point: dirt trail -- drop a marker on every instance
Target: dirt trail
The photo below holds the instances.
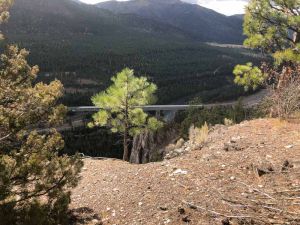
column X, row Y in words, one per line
column 159, row 193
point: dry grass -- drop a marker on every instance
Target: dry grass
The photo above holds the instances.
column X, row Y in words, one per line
column 283, row 102
column 198, row 136
column 228, row 122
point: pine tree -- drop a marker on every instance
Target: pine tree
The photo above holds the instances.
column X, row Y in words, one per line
column 120, row 106
column 34, row 179
column 274, row 28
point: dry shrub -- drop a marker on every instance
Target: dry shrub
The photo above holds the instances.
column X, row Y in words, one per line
column 198, row 135
column 228, row 122
column 283, row 102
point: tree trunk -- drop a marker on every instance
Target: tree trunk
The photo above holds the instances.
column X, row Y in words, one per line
column 125, row 143
column 296, row 37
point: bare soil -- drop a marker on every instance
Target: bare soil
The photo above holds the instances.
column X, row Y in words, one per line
column 193, row 188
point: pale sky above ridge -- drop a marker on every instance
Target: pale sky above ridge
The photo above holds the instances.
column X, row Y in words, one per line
column 227, row 7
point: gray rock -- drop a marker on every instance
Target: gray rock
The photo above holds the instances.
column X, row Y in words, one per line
column 232, row 146
column 179, row 143
column 208, row 157
column 179, row 151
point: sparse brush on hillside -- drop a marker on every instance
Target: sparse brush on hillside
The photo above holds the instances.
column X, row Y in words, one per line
column 215, row 115
column 258, row 206
column 283, row 102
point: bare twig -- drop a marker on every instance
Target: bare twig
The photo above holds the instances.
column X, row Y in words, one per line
column 5, row 137
column 215, row 213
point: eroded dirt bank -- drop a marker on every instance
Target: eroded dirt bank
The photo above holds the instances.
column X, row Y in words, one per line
column 200, row 187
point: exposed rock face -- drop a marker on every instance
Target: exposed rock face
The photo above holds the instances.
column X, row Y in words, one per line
column 150, row 146
column 142, row 148
column 164, row 144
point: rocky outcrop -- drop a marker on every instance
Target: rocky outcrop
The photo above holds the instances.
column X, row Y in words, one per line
column 166, row 144
column 151, row 146
column 180, row 148
column 143, row 146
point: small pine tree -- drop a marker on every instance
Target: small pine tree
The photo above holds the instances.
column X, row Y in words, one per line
column 120, row 106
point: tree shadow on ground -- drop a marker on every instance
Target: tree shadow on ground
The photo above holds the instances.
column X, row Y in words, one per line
column 84, row 215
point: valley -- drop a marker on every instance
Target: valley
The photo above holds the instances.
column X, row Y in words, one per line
column 75, row 42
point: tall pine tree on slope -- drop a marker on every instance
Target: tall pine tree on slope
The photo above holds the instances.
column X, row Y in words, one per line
column 120, row 106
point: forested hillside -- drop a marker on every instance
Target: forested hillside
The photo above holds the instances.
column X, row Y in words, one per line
column 84, row 46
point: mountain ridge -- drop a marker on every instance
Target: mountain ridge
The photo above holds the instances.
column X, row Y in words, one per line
column 201, row 23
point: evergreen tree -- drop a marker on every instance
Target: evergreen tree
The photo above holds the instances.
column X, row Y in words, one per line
column 34, row 180
column 273, row 26
column 120, row 106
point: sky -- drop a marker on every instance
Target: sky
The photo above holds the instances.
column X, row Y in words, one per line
column 227, row 7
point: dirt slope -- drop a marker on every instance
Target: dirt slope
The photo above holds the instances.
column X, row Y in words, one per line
column 193, row 188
